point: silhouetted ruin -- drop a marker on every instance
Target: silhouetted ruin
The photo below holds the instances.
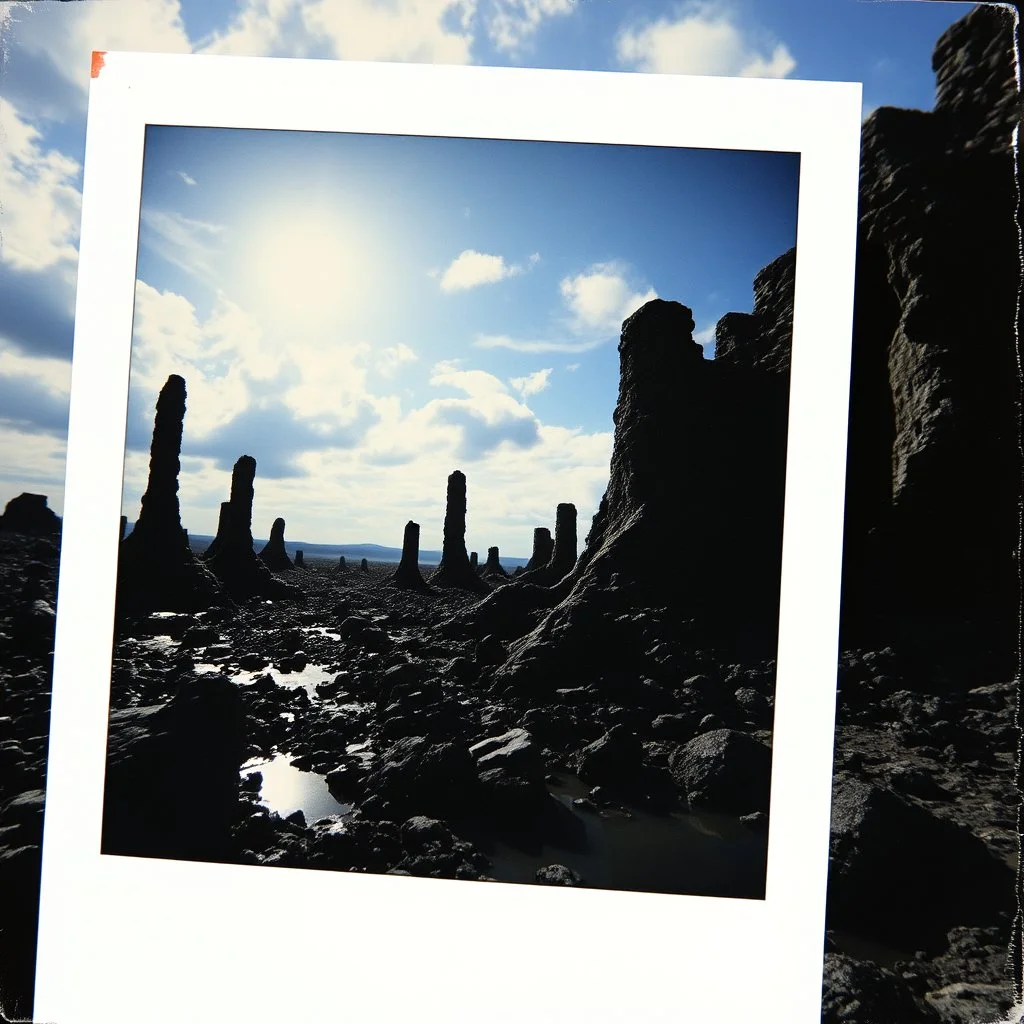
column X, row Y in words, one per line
column 273, row 555
column 157, row 570
column 455, row 569
column 408, row 573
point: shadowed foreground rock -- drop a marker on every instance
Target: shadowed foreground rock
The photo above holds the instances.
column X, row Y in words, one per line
column 273, row 555
column 157, row 570
column 172, row 774
column 543, row 547
column 493, row 569
column 408, row 572
column 563, row 550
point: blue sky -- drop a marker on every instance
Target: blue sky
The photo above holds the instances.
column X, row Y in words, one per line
column 559, row 306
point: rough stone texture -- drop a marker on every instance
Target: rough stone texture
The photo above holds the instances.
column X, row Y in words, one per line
column 157, row 570
column 231, row 557
column 408, row 572
column 172, row 779
column 455, row 569
column 29, row 513
column 543, row 547
column 893, row 866
column 724, row 770
column 859, row 992
column 273, row 555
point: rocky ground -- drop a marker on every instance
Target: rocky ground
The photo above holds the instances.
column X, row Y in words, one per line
column 424, row 762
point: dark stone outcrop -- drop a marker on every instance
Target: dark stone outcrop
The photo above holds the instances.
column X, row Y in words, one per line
column 543, row 547
column 724, row 770
column 299, row 558
column 341, row 561
column 364, row 565
column 408, row 573
column 157, row 570
column 172, row 781
column 231, row 557
column 474, row 560
column 273, row 554
column 455, row 569
column 29, row 513
column 563, row 553
column 493, row 569
column 124, row 527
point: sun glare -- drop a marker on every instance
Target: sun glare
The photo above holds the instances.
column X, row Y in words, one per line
column 304, row 268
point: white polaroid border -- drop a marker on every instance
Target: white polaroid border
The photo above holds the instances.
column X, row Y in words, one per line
column 124, row 940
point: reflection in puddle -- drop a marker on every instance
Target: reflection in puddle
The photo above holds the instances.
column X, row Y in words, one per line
column 286, row 789
column 699, row 854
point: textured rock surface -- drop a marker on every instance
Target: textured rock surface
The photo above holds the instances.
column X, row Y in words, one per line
column 543, row 546
column 455, row 569
column 563, row 551
column 492, row 568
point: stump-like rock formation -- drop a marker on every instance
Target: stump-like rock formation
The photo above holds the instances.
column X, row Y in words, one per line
column 232, row 557
column 474, row 560
column 29, row 513
column 493, row 569
column 455, row 569
column 364, row 565
column 273, row 554
column 300, row 560
column 543, row 548
column 157, row 570
column 563, row 550
column 408, row 574
column 341, row 561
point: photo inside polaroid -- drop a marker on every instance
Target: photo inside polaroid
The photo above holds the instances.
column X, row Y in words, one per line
column 452, row 515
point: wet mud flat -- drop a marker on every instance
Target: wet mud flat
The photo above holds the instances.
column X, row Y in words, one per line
column 365, row 738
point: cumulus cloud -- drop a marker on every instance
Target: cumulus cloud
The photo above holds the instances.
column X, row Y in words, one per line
column 702, row 39
column 512, row 23
column 393, row 358
column 471, row 268
column 601, row 297
column 705, row 337
column 34, row 393
column 532, row 383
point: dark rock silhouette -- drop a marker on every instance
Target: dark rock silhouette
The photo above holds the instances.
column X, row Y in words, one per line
column 543, row 547
column 299, row 560
column 455, row 569
column 563, row 551
column 364, row 565
column 29, row 513
column 231, row 557
column 474, row 560
column 273, row 555
column 124, row 526
column 157, row 570
column 493, row 569
column 698, row 464
column 408, row 573
column 341, row 562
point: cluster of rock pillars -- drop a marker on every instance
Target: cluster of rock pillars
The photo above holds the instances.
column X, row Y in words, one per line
column 642, row 664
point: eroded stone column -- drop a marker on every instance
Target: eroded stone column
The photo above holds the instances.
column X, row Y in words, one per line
column 274, row 556
column 455, row 569
column 408, row 572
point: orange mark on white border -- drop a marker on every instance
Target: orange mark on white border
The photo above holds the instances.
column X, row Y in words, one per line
column 97, row 63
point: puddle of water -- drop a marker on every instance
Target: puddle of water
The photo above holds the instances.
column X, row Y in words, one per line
column 286, row 789
column 322, row 631
column 308, row 679
column 695, row 854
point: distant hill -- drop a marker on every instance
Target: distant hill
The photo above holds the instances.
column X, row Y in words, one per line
column 352, row 552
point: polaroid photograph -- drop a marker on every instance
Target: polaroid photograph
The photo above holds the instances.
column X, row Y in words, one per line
column 452, row 545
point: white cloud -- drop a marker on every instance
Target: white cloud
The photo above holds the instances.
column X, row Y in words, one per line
column 512, row 23
column 187, row 178
column 572, row 367
column 471, row 268
column 191, row 245
column 534, row 347
column 68, row 33
column 602, row 297
column 40, row 200
column 475, row 383
column 705, row 337
column 532, row 383
column 702, row 39
column 391, row 359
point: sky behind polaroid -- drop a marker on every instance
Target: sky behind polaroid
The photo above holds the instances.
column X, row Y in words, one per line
column 523, row 323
